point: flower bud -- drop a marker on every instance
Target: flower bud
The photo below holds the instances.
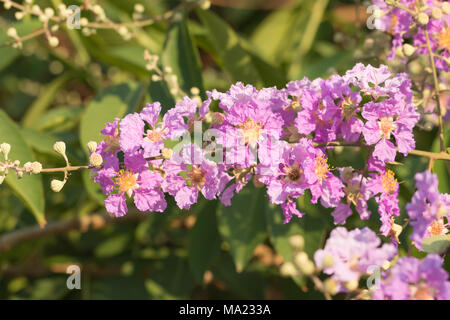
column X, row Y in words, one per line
column 422, row 18
column 287, row 269
column 297, row 242
column 436, row 13
column 445, row 7
column 96, row 159
column 331, row 286
column 399, row 52
column 205, row 4
column 327, row 261
column 53, row 41
column 27, row 167
column 408, row 50
column 138, row 7
column 386, row 265
column 307, row 268
column 92, row 146
column 167, row 153
column 60, row 147
column 19, row 174
column 351, row 285
column 57, row 185
column 300, row 257
column 5, row 148
column 11, row 32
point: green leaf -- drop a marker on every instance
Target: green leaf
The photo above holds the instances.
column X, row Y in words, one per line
column 29, row 188
column 234, row 58
column 204, row 240
column 182, row 57
column 113, row 246
column 59, row 119
column 436, row 244
column 113, row 102
column 243, row 224
column 9, row 54
column 44, row 100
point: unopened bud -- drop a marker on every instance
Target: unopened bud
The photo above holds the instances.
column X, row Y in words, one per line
column 287, row 269
column 422, row 18
column 386, row 265
column 399, row 52
column 96, row 159
column 436, row 13
column 57, row 185
column 19, row 174
column 11, row 32
column 351, row 285
column 408, row 50
column 92, row 146
column 307, row 267
column 445, row 7
column 167, row 153
column 205, row 4
column 297, row 242
column 300, row 258
column 327, row 261
column 5, row 148
column 331, row 286
column 27, row 167
column 60, row 147
column 138, row 7
column 53, row 41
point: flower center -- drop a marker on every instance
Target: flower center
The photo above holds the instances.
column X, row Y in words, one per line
column 444, row 39
column 437, row 227
column 387, row 125
column 422, row 292
column 197, row 176
column 321, row 170
column 353, row 193
column 389, row 182
column 127, row 181
column 347, row 108
column 251, row 131
column 293, row 173
column 156, row 134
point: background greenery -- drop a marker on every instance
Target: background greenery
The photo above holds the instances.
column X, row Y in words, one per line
column 68, row 93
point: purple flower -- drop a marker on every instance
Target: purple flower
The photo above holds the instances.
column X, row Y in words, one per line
column 414, row 279
column 352, row 253
column 427, row 209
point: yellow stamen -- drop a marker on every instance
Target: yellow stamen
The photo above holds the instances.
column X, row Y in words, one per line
column 437, row 227
column 389, row 182
column 322, row 169
column 126, row 181
column 353, row 193
column 422, row 292
column 387, row 125
column 197, row 176
column 251, row 131
column 444, row 39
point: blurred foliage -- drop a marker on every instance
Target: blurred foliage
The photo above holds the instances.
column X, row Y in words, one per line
column 69, row 92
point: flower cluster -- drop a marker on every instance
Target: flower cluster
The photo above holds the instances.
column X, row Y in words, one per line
column 414, row 279
column 428, row 210
column 408, row 21
column 348, row 255
column 278, row 137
